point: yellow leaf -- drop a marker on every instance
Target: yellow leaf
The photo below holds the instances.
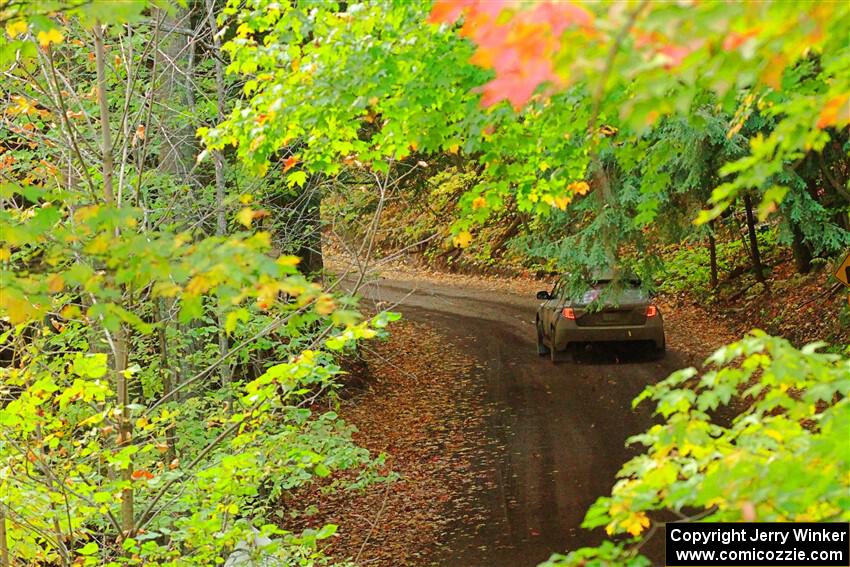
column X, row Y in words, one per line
column 243, row 30
column 257, row 142
column 579, row 187
column 245, row 216
column 99, row 245
column 5, row 254
column 479, row 203
column 463, row 239
column 96, row 418
column 773, row 434
column 635, row 523
column 198, row 285
column 267, row 295
column 246, row 198
column 45, row 39
column 562, row 202
column 18, row 309
column 22, row 106
column 288, row 261
column 15, row 29
column 70, row 312
column 55, row 283
column 325, row 305
column 544, row 166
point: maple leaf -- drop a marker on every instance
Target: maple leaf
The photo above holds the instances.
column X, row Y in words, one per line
column 836, row 112
column 579, row 187
column 463, row 239
column 14, row 29
column 447, row 11
column 51, row 36
column 289, row 163
column 561, row 15
column 55, row 283
column 139, row 474
column 245, row 217
column 562, row 201
column 522, row 49
column 635, row 523
column 22, row 106
column 325, row 305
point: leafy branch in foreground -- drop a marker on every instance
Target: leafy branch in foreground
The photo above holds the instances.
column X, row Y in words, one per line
column 784, row 455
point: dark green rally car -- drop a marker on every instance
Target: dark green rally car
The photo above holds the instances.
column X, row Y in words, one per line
column 610, row 309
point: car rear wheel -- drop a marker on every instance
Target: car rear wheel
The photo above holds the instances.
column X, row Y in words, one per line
column 542, row 349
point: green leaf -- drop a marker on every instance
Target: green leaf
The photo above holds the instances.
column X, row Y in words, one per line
column 88, row 549
column 296, row 178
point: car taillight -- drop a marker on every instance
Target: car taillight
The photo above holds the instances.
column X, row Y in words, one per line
column 651, row 311
column 568, row 313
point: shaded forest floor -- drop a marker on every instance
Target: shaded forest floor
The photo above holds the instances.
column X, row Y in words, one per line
column 801, row 308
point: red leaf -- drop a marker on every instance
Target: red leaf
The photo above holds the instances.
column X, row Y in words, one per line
column 141, row 474
column 448, row 11
column 289, row 163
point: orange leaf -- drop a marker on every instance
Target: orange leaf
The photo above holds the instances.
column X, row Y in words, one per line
column 836, row 112
column 579, row 187
column 325, row 305
column 289, row 163
column 447, row 11
column 141, row 474
column 562, row 201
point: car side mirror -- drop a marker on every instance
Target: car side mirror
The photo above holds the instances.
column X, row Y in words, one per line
column 543, row 295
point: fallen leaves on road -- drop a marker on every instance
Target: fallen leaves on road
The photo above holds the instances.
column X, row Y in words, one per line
column 421, row 406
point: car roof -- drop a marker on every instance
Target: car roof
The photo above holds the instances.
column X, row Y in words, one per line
column 609, row 274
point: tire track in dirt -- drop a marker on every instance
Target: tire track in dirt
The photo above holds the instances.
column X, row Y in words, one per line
column 515, row 449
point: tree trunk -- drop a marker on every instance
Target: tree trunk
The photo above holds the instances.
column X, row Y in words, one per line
column 801, row 250
column 310, row 250
column 4, row 545
column 119, row 338
column 758, row 268
column 712, row 255
column 174, row 91
column 166, row 374
column 173, row 84
column 225, row 369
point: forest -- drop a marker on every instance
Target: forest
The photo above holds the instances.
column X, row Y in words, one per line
column 201, row 202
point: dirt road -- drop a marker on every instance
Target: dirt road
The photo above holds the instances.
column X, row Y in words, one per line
column 558, row 431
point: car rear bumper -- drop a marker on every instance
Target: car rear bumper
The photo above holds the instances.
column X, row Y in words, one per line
column 566, row 332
